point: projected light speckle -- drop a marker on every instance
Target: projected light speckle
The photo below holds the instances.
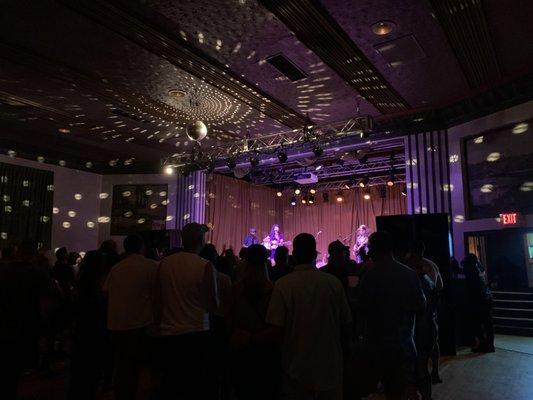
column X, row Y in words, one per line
column 103, row 196
column 3, row 235
column 487, row 188
column 520, row 128
column 186, row 216
column 90, row 224
column 71, row 214
column 493, row 157
column 459, row 218
column 128, row 214
column 126, row 193
column 66, row 224
column 478, row 140
column 103, row 220
column 526, row 187
column 169, row 218
column 55, row 210
column 141, row 221
column 78, row 196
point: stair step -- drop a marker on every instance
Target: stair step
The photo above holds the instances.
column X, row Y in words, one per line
column 517, row 322
column 503, row 295
column 504, row 303
column 505, row 312
column 513, row 330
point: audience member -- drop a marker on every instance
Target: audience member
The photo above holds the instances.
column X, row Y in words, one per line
column 425, row 332
column 338, row 263
column 23, row 284
column 281, row 267
column 255, row 363
column 310, row 310
column 390, row 297
column 129, row 286
column 187, row 293
column 480, row 304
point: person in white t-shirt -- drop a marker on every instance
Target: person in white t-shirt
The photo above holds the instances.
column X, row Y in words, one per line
column 129, row 287
column 187, row 286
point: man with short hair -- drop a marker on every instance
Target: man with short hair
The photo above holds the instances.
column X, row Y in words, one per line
column 390, row 298
column 251, row 238
column 187, row 293
column 129, row 286
column 311, row 311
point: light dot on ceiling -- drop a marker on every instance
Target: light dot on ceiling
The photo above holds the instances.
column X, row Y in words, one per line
column 383, row 28
column 103, row 195
column 78, row 196
column 141, row 221
column 478, row 140
column 103, row 220
column 71, row 214
column 520, row 128
column 493, row 157
column 487, row 188
column 126, row 193
column 55, row 210
column 66, row 224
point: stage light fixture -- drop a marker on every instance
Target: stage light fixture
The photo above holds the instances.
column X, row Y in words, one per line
column 312, row 191
column 293, row 201
column 304, row 200
column 254, row 161
column 364, row 181
column 297, row 191
column 279, row 193
column 231, row 163
column 318, row 151
column 169, row 170
column 340, row 197
column 366, row 196
column 325, row 197
column 282, row 156
column 311, row 199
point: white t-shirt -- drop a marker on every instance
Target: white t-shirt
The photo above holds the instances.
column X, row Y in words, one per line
column 130, row 285
column 311, row 307
column 188, row 290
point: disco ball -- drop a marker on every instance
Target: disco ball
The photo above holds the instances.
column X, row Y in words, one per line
column 196, row 130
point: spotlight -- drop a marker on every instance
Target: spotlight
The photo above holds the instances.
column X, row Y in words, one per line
column 312, row 191
column 311, row 199
column 279, row 193
column 391, row 178
column 293, row 201
column 254, row 161
column 340, row 197
column 304, row 200
column 364, row 181
column 297, row 191
column 282, row 156
column 169, row 170
column 366, row 196
column 404, row 191
column 231, row 163
column 318, row 151
column 325, row 197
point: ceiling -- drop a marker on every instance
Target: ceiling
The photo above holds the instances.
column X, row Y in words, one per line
column 111, row 85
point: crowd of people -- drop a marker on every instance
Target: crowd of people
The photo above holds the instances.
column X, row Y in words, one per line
column 198, row 325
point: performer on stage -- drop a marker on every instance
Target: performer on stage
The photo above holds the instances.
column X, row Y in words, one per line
column 360, row 248
column 251, row 238
column 273, row 240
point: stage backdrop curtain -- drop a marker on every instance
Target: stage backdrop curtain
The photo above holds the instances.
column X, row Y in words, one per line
column 234, row 206
column 333, row 220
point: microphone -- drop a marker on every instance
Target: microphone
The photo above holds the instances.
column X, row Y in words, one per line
column 318, row 233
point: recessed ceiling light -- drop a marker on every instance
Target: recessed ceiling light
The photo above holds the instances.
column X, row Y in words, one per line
column 383, row 28
column 64, row 130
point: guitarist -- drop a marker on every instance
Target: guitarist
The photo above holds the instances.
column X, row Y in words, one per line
column 273, row 240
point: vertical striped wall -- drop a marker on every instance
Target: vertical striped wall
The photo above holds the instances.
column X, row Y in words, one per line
column 428, row 173
column 190, row 199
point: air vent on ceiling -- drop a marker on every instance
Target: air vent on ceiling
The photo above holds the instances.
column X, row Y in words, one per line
column 400, row 51
column 286, row 67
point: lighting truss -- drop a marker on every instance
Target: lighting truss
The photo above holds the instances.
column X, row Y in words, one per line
column 342, row 171
column 345, row 184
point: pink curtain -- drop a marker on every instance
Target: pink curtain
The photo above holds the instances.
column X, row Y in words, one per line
column 235, row 206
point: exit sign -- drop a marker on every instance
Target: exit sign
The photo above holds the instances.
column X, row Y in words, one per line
column 509, row 218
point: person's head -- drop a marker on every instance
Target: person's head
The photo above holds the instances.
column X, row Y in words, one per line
column 193, row 237
column 470, row 260
column 133, row 244
column 253, row 231
column 274, row 230
column 109, row 247
column 417, row 249
column 9, row 252
column 62, row 254
column 242, row 253
column 304, row 248
column 209, row 253
column 73, row 258
column 281, row 256
column 362, row 230
column 257, row 255
column 380, row 245
column 337, row 251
